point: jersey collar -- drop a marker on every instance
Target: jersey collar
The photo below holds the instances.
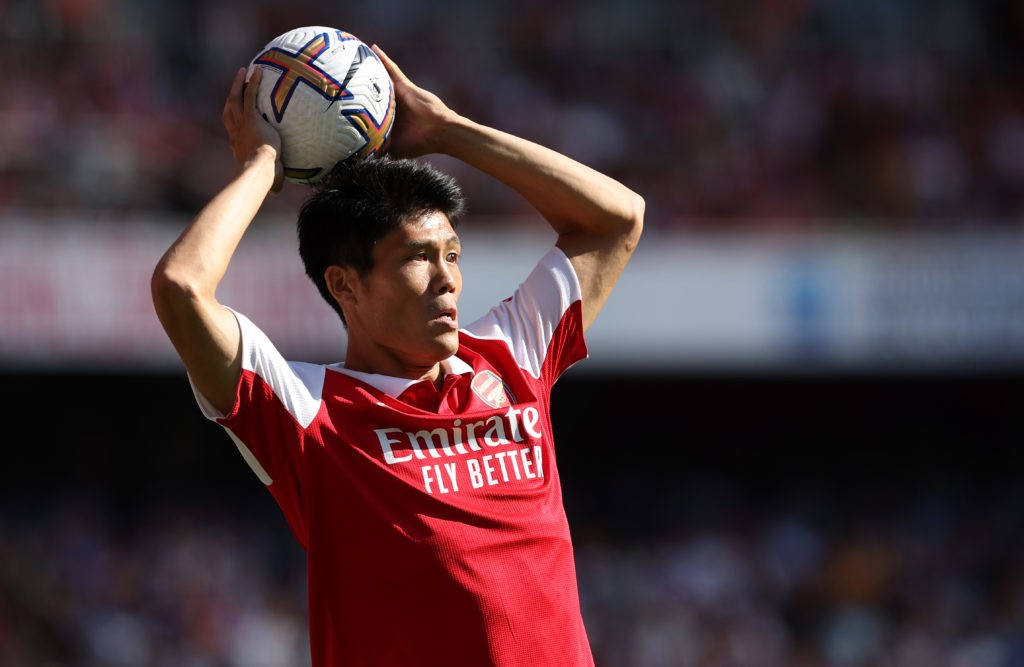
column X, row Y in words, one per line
column 393, row 386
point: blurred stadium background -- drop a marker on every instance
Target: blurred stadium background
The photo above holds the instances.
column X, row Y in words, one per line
column 796, row 442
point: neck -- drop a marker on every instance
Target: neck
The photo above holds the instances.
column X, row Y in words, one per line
column 392, row 367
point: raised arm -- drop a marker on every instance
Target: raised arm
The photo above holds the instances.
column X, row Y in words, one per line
column 598, row 220
column 184, row 283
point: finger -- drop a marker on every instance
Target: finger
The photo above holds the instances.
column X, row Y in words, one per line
column 278, row 178
column 394, row 70
column 228, row 114
column 252, row 87
column 237, row 84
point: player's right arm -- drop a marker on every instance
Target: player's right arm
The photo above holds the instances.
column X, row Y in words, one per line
column 598, row 219
column 184, row 283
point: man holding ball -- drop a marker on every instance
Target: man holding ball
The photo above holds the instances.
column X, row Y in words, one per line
column 419, row 474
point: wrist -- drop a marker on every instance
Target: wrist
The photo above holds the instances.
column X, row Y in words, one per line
column 454, row 135
column 261, row 159
column 262, row 165
column 263, row 153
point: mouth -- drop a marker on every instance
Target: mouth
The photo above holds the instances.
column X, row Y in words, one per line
column 448, row 316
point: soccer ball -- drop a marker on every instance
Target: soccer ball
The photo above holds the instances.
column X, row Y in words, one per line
column 328, row 95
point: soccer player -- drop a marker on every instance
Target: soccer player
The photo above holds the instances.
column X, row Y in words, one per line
column 419, row 474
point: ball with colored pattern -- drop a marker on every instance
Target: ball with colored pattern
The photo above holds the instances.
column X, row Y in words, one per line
column 329, row 96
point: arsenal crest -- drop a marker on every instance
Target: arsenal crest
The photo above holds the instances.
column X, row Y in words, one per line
column 491, row 390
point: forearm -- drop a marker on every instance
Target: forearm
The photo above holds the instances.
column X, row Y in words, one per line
column 185, row 281
column 572, row 197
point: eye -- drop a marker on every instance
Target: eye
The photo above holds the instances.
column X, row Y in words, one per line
column 452, row 257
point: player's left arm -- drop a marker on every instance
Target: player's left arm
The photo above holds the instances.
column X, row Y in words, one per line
column 598, row 219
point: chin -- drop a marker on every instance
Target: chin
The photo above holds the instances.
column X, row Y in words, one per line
column 447, row 344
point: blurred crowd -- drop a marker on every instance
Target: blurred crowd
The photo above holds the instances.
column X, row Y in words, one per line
column 934, row 582
column 792, row 113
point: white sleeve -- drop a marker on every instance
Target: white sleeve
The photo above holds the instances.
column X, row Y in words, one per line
column 527, row 320
column 297, row 385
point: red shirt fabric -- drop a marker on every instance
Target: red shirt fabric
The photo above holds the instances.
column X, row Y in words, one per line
column 432, row 518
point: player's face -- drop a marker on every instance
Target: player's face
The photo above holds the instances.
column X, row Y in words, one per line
column 408, row 302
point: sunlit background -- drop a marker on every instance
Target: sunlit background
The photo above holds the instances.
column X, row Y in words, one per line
column 795, row 442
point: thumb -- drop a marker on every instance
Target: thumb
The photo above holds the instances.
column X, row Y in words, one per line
column 278, row 184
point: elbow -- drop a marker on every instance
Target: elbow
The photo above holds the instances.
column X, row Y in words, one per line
column 633, row 220
column 165, row 292
column 163, row 286
column 170, row 291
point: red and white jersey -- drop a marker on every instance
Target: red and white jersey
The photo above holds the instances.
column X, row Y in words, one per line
column 432, row 519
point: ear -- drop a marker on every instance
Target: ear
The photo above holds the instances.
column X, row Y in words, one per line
column 342, row 282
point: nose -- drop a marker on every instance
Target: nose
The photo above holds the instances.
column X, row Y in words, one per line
column 446, row 278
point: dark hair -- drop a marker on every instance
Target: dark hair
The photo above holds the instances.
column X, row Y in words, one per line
column 359, row 203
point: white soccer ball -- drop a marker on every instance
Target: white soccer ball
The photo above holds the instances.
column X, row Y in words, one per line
column 328, row 95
